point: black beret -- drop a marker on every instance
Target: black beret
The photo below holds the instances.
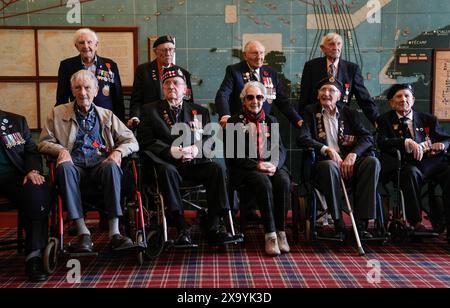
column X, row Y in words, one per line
column 171, row 72
column 330, row 80
column 397, row 87
column 163, row 39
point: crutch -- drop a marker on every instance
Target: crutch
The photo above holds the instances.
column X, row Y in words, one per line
column 355, row 230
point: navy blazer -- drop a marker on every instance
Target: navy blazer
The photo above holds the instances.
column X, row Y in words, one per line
column 391, row 136
column 349, row 74
column 350, row 127
column 227, row 97
column 25, row 157
column 147, row 87
column 70, row 66
column 154, row 132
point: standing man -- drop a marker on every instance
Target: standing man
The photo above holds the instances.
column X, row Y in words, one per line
column 228, row 102
column 344, row 148
column 348, row 73
column 147, row 86
column 105, row 70
column 21, row 181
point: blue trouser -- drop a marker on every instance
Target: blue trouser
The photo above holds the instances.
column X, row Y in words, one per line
column 106, row 174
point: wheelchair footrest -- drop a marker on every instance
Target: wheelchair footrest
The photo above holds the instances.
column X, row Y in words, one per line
column 184, row 246
column 82, row 254
column 424, row 234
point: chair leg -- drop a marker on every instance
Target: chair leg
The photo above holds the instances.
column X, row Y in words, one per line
column 295, row 213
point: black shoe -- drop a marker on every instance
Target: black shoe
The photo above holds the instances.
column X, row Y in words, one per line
column 82, row 243
column 34, row 269
column 219, row 238
column 119, row 242
column 365, row 235
column 184, row 238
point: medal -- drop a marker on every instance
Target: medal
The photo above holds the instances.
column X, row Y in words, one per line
column 105, row 90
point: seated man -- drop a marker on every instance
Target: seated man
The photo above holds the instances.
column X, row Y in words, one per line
column 21, row 181
column 264, row 174
column 422, row 143
column 343, row 148
column 88, row 143
column 175, row 162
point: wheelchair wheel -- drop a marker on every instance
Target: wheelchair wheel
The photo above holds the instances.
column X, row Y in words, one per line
column 51, row 256
column 140, row 241
column 155, row 242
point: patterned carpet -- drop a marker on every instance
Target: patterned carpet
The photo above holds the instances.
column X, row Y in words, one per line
column 319, row 265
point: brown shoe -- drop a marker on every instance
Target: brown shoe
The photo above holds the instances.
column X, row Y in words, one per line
column 420, row 227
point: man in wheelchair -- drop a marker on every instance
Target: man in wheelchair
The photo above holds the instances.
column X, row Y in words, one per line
column 344, row 148
column 88, row 143
column 158, row 134
column 422, row 144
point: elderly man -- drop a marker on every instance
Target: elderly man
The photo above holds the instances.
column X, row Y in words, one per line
column 147, row 86
column 88, row 143
column 106, row 71
column 177, row 162
column 21, row 181
column 348, row 73
column 227, row 99
column 344, row 148
column 422, row 143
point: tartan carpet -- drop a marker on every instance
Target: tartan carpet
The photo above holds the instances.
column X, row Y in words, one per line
column 323, row 264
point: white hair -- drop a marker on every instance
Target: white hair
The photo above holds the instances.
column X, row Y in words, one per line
column 84, row 75
column 252, row 84
column 81, row 31
column 329, row 37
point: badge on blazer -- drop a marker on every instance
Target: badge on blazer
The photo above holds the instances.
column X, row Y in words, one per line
column 12, row 140
column 105, row 90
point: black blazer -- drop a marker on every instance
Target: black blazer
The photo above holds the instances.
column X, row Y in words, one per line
column 348, row 73
column 237, row 165
column 154, row 131
column 70, row 66
column 350, row 126
column 25, row 157
column 391, row 136
column 147, row 87
column 227, row 98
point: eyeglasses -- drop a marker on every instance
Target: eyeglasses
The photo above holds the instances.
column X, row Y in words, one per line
column 251, row 97
column 331, row 90
column 166, row 50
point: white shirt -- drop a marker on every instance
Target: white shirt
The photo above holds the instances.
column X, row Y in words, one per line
column 331, row 126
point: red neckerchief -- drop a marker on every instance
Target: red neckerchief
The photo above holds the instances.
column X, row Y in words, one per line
column 257, row 119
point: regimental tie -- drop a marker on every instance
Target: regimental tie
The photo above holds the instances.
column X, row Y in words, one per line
column 405, row 128
column 332, row 71
column 254, row 76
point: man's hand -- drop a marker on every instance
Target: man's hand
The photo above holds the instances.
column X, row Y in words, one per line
column 223, row 120
column 347, row 166
column 34, row 177
column 133, row 122
column 115, row 156
column 437, row 147
column 63, row 156
column 266, row 167
column 334, row 156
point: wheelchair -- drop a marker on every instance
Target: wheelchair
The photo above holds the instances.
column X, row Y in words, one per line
column 394, row 207
column 158, row 223
column 311, row 207
column 132, row 219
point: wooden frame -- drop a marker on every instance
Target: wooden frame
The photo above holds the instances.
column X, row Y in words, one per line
column 31, row 55
column 441, row 84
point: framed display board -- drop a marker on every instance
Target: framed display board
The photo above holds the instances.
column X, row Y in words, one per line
column 441, row 84
column 30, row 61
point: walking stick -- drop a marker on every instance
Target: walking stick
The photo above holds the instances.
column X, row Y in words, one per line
column 355, row 230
